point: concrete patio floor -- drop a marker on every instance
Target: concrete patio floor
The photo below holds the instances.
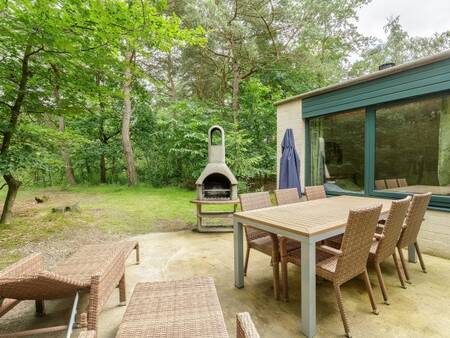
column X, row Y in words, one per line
column 422, row 310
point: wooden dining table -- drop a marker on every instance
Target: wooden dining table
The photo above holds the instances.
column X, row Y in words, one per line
column 308, row 222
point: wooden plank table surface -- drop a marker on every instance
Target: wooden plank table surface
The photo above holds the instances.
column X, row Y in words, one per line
column 307, row 222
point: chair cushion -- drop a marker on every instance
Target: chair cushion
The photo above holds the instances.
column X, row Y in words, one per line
column 325, row 262
column 264, row 244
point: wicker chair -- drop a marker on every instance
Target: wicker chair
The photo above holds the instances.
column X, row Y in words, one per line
column 340, row 266
column 287, row 196
column 380, row 185
column 315, row 192
column 385, row 243
column 413, row 221
column 402, row 182
column 391, row 183
column 263, row 241
column 95, row 269
column 245, row 328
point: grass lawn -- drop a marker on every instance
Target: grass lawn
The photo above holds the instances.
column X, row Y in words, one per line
column 107, row 212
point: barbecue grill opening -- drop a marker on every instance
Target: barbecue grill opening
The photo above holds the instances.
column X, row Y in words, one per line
column 216, row 186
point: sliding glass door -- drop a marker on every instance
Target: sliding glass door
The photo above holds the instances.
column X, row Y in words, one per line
column 385, row 150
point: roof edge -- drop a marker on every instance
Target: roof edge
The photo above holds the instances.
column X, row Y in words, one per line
column 368, row 77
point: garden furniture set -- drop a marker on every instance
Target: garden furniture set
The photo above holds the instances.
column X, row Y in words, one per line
column 185, row 308
column 335, row 238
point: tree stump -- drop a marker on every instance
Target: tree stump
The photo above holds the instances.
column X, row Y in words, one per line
column 69, row 208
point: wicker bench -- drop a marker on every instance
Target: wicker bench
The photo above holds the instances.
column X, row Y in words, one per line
column 95, row 269
column 187, row 308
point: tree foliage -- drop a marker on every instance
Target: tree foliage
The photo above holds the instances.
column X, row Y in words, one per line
column 105, row 91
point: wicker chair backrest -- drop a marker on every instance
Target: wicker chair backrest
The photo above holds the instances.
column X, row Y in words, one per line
column 358, row 236
column 380, row 184
column 414, row 218
column 252, row 201
column 391, row 183
column 315, row 192
column 287, row 196
column 393, row 228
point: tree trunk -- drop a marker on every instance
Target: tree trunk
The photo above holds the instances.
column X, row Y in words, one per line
column 170, row 75
column 102, row 168
column 70, row 175
column 13, row 184
column 13, row 188
column 126, row 142
column 235, row 88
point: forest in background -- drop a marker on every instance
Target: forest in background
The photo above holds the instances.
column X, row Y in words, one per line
column 124, row 92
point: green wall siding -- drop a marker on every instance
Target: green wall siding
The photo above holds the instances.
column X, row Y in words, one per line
column 427, row 79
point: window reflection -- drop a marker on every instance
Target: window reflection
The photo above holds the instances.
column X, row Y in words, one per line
column 413, row 147
column 337, row 151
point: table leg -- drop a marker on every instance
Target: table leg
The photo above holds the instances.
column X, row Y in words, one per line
column 238, row 255
column 308, row 288
column 412, row 254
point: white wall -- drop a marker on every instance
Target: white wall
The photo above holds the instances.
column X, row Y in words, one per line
column 289, row 115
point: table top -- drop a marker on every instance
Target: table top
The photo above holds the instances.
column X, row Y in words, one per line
column 186, row 308
column 421, row 189
column 311, row 217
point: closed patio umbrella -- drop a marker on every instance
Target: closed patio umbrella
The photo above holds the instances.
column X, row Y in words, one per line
column 289, row 163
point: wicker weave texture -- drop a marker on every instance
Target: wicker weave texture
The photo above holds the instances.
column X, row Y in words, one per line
column 287, row 196
column 392, row 229
column 182, row 309
column 356, row 243
column 402, row 182
column 245, row 328
column 315, row 192
column 391, row 183
column 255, row 200
column 414, row 219
column 339, row 266
column 380, row 185
column 26, row 279
column 97, row 269
column 88, row 334
column 252, row 201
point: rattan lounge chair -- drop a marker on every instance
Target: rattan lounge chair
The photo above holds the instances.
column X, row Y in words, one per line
column 95, row 269
column 391, row 183
column 380, row 185
column 385, row 243
column 262, row 241
column 402, row 182
column 346, row 263
column 186, row 308
column 287, row 196
column 411, row 228
column 315, row 192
